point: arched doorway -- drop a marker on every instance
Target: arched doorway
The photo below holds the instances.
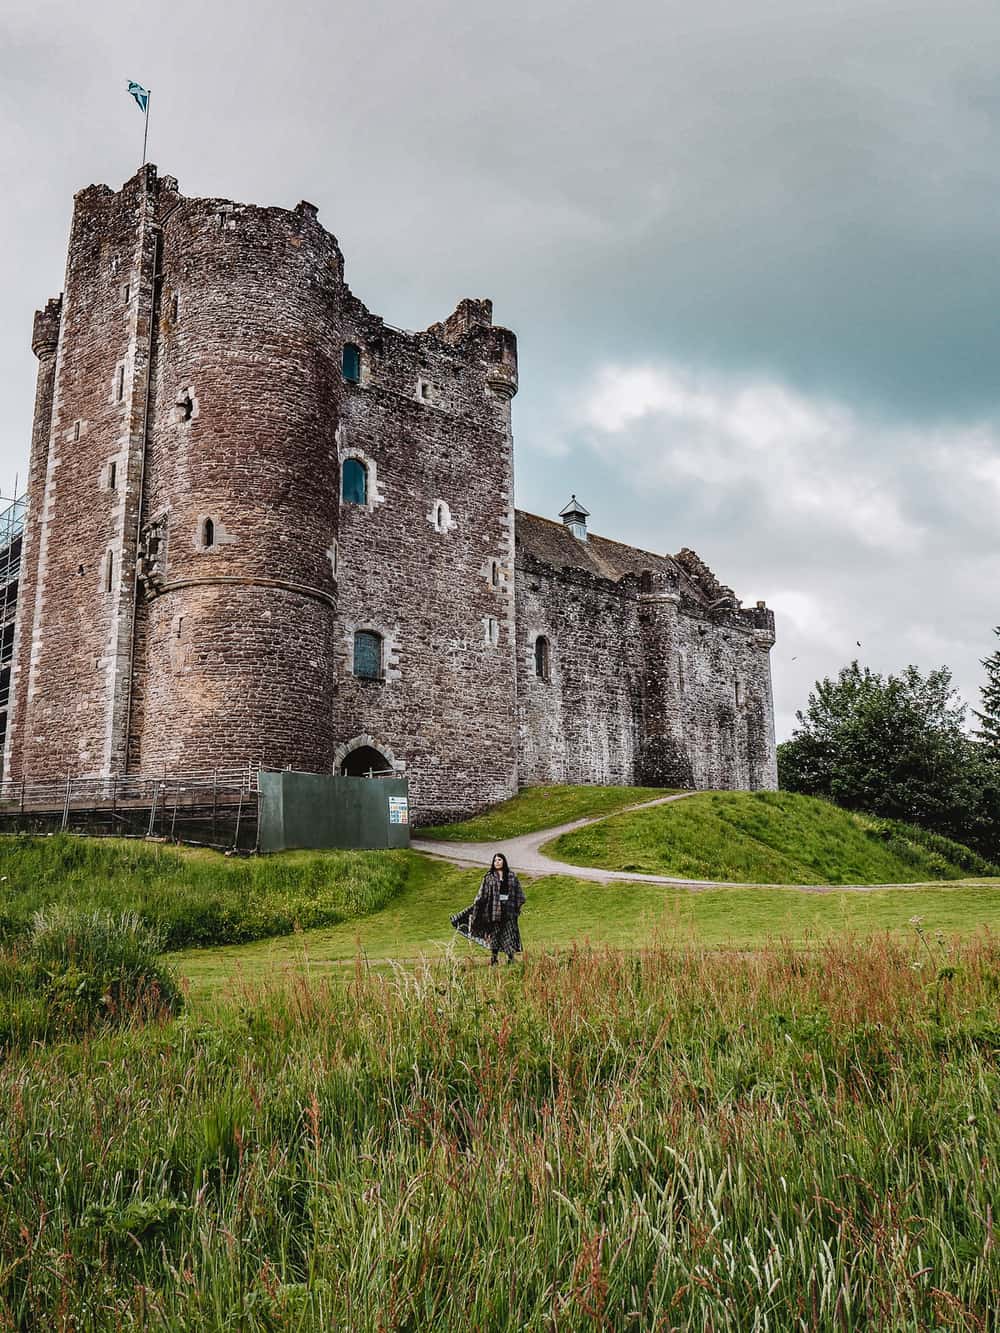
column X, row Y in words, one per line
column 365, row 762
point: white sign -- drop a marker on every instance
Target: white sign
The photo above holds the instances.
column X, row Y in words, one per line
column 399, row 810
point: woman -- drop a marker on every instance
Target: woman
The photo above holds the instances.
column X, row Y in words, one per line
column 492, row 919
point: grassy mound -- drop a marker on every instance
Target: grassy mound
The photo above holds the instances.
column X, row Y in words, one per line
column 767, row 838
column 564, row 913
column 193, row 897
column 77, row 971
column 537, row 808
column 630, row 1142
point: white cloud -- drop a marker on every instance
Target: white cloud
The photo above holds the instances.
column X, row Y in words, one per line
column 817, row 458
column 869, row 539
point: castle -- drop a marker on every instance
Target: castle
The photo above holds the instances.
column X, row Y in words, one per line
column 265, row 526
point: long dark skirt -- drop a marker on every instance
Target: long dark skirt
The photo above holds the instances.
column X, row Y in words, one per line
column 502, row 936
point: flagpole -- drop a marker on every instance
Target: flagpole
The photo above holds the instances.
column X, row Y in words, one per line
column 145, row 133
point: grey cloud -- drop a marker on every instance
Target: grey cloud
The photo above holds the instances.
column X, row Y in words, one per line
column 792, row 189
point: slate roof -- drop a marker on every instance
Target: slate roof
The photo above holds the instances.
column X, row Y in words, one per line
column 553, row 544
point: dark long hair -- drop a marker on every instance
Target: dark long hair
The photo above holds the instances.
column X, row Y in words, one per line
column 505, row 873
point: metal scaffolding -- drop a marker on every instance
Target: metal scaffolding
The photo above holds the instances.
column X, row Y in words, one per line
column 216, row 808
column 11, row 539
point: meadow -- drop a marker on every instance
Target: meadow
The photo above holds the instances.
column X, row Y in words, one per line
column 192, row 896
column 731, row 1109
column 669, row 1139
column 542, row 807
column 767, row 837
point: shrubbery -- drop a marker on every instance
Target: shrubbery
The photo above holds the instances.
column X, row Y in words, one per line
column 192, row 897
column 75, row 971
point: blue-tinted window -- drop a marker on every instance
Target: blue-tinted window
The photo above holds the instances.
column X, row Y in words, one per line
column 354, row 482
column 367, row 655
column 351, row 363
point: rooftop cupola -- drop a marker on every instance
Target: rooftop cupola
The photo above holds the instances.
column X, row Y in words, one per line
column 575, row 517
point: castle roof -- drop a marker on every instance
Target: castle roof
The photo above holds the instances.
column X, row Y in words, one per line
column 553, row 544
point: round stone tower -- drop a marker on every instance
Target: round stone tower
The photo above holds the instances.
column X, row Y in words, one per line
column 237, row 542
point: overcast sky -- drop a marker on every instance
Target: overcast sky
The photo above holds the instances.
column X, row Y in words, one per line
column 751, row 251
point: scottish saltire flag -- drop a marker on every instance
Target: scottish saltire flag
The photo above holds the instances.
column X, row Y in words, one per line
column 140, row 94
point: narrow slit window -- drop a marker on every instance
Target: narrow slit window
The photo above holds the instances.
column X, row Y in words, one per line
column 76, row 430
column 120, row 390
column 112, row 475
column 367, row 655
column 354, row 482
column 542, row 657
column 208, row 532
column 109, row 572
column 495, row 573
column 175, row 308
column 127, row 293
column 351, row 363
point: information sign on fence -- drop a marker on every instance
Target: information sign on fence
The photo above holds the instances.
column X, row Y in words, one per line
column 399, row 810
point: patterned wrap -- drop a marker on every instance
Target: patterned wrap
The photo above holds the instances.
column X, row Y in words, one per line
column 490, row 922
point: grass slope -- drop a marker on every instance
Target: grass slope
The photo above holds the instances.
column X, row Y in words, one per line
column 562, row 912
column 765, row 838
column 537, row 808
column 665, row 1141
column 196, row 897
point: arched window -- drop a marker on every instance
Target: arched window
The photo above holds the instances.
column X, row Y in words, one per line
column 542, row 657
column 495, row 573
column 208, row 532
column 354, row 482
column 367, row 655
column 351, row 363
column 442, row 516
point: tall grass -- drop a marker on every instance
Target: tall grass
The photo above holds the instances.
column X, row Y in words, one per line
column 77, row 971
column 767, row 838
column 195, row 897
column 675, row 1140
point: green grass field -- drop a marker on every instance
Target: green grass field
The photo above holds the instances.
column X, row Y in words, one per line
column 733, row 1109
column 669, row 1140
column 765, row 838
column 197, row 897
column 538, row 808
column 562, row 912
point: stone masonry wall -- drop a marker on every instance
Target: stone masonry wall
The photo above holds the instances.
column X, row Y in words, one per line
column 582, row 723
column 44, row 342
column 431, row 421
column 644, row 686
column 194, row 581
column 73, row 652
column 238, row 620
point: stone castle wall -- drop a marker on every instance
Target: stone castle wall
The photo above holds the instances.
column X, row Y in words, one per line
column 194, row 579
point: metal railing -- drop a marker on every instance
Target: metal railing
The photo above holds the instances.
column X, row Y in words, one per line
column 215, row 808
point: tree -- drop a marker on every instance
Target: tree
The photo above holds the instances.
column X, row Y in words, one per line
column 989, row 732
column 895, row 746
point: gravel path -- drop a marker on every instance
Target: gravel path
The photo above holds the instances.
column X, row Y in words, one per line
column 525, row 855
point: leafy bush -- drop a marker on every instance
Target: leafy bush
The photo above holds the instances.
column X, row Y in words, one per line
column 935, row 850
column 194, row 897
column 76, row 971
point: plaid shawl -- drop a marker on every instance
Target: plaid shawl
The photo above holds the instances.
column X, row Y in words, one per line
column 488, row 904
